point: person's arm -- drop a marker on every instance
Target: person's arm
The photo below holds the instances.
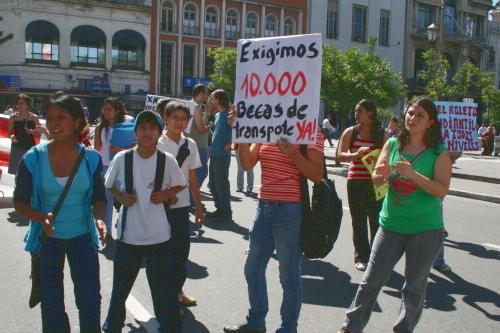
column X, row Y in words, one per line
column 439, row 185
column 200, row 121
column 382, row 170
column 37, row 132
column 311, row 167
column 126, row 199
column 249, row 155
column 97, row 138
column 343, row 154
column 195, row 191
column 10, row 128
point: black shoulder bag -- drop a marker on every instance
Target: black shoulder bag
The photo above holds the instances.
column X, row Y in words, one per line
column 322, row 217
column 35, row 295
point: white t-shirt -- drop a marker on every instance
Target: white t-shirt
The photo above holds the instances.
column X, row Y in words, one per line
column 147, row 222
column 328, row 125
column 193, row 161
column 482, row 130
column 106, row 134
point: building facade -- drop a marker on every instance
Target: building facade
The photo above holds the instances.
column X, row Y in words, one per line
column 464, row 38
column 494, row 43
column 345, row 24
column 182, row 31
column 92, row 49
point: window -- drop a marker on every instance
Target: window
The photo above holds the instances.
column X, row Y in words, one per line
column 42, row 42
column 331, row 24
column 189, row 23
column 359, row 23
column 424, row 16
column 450, row 17
column 252, row 24
column 168, row 16
column 211, row 22
column 209, row 62
column 473, row 26
column 418, row 66
column 88, row 46
column 232, row 25
column 166, row 68
column 188, row 65
column 289, row 26
column 270, row 26
column 383, row 34
column 128, row 50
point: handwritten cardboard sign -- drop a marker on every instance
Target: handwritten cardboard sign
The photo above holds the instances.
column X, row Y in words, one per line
column 457, row 121
column 278, row 83
column 152, row 100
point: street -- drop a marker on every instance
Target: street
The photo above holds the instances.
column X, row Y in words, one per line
column 466, row 300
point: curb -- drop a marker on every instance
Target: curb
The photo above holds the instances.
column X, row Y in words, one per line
column 342, row 172
column 483, row 179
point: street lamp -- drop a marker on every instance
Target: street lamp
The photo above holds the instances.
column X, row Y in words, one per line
column 432, row 32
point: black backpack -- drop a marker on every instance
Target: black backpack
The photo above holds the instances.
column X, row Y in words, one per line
column 322, row 216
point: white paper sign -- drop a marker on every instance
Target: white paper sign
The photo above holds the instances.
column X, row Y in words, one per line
column 152, row 100
column 278, row 82
column 457, row 121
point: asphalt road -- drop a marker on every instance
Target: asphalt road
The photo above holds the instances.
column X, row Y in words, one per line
column 466, row 300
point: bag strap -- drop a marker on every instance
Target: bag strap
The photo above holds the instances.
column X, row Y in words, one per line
column 304, row 187
column 180, row 156
column 160, row 172
column 129, row 185
column 65, row 191
column 412, row 160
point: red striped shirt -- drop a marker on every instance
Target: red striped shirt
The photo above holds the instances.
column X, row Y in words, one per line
column 280, row 178
column 357, row 169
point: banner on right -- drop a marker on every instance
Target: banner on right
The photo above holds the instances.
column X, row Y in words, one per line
column 457, row 121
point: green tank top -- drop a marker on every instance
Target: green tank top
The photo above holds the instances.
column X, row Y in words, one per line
column 407, row 208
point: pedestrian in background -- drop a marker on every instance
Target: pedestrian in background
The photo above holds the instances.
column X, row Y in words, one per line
column 393, row 128
column 73, row 233
column 220, row 157
column 411, row 220
column 276, row 226
column 356, row 142
column 23, row 127
column 240, row 176
column 112, row 112
column 328, row 129
column 173, row 141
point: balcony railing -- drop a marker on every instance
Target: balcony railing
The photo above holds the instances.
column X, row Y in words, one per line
column 189, row 30
column 211, row 32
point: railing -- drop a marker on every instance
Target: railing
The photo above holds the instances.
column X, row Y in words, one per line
column 189, row 30
column 232, row 35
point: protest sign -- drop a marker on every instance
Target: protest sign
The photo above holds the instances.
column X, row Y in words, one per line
column 152, row 100
column 277, row 93
column 457, row 121
column 370, row 160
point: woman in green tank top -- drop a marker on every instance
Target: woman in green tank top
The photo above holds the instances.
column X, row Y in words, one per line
column 418, row 169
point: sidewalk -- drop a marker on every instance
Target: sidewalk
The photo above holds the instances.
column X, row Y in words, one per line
column 474, row 176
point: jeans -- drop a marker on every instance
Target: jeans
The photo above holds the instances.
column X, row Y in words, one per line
column 108, row 217
column 160, row 271
column 420, row 250
column 363, row 206
column 84, row 268
column 276, row 227
column 240, row 176
column 179, row 220
column 219, row 184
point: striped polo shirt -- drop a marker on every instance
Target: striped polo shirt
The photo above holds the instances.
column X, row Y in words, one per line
column 280, row 178
column 357, row 169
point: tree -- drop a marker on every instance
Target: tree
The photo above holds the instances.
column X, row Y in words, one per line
column 224, row 76
column 469, row 81
column 350, row 76
column 434, row 74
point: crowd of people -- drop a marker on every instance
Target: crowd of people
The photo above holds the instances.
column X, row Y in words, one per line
column 157, row 182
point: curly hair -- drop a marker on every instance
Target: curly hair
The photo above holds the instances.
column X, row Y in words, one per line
column 433, row 137
column 119, row 107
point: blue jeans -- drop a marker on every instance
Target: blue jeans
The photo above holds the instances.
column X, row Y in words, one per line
column 421, row 250
column 240, row 176
column 276, row 227
column 219, row 184
column 160, row 271
column 84, row 268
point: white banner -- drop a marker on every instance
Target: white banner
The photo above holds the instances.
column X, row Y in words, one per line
column 457, row 121
column 152, row 100
column 278, row 82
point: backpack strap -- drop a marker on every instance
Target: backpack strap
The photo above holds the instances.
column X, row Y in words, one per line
column 183, row 153
column 129, row 185
column 160, row 172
